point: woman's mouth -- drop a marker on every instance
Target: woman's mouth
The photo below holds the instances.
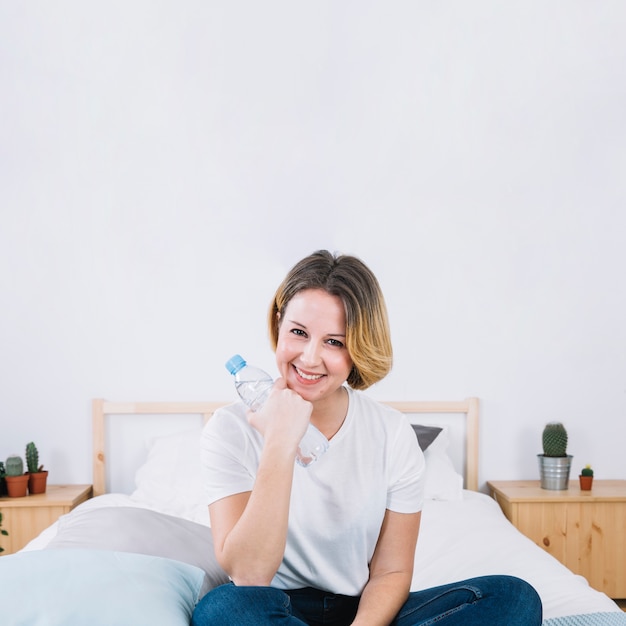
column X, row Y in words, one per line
column 305, row 376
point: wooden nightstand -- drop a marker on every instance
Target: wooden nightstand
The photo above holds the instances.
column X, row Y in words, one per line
column 24, row 518
column 585, row 530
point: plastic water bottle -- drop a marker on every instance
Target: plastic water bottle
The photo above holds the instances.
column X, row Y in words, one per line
column 253, row 386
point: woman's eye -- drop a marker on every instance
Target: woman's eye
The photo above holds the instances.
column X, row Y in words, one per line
column 336, row 343
column 299, row 332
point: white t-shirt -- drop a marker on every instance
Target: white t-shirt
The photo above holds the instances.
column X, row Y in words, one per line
column 338, row 503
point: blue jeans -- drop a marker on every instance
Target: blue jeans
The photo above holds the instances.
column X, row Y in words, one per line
column 487, row 600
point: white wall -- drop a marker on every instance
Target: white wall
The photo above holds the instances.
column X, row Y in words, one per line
column 163, row 164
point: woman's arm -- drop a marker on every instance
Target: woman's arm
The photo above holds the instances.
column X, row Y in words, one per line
column 391, row 570
column 250, row 529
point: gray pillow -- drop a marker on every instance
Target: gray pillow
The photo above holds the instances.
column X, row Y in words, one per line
column 132, row 529
column 426, row 434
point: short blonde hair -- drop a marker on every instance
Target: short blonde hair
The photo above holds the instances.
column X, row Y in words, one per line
column 368, row 339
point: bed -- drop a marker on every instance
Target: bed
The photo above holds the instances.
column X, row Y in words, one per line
column 140, row 552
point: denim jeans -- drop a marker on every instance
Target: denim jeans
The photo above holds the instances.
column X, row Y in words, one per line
column 487, row 600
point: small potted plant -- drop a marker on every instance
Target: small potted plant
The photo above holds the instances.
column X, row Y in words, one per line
column 554, row 463
column 37, row 477
column 17, row 480
column 586, row 478
column 3, row 482
column 2, row 531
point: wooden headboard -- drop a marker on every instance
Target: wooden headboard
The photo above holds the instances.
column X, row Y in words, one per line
column 466, row 432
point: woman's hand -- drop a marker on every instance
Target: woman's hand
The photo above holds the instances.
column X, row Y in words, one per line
column 391, row 570
column 283, row 419
column 250, row 528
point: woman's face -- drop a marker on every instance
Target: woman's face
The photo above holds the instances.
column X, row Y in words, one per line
column 311, row 351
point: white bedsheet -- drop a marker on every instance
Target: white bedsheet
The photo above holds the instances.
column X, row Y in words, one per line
column 458, row 540
column 473, row 538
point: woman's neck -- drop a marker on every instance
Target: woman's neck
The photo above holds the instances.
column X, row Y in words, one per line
column 329, row 414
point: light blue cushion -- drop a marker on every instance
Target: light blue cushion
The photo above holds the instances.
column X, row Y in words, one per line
column 96, row 588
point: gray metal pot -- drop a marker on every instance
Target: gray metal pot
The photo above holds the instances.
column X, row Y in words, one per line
column 554, row 471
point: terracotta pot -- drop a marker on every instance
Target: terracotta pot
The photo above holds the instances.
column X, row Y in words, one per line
column 37, row 482
column 17, row 485
column 585, row 482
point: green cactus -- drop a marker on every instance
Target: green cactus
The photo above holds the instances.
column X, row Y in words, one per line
column 586, row 471
column 554, row 440
column 32, row 458
column 2, row 531
column 14, row 465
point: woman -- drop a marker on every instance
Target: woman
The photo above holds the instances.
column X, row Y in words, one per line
column 332, row 543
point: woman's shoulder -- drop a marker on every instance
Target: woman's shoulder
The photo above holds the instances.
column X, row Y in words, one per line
column 363, row 400
column 364, row 405
column 228, row 418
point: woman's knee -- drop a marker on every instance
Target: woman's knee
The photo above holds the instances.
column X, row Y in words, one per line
column 242, row 606
column 523, row 590
column 512, row 585
column 514, row 595
column 493, row 599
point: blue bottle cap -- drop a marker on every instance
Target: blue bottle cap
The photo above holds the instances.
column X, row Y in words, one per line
column 235, row 363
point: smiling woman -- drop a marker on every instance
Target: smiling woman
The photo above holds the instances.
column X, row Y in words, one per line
column 333, row 542
column 311, row 354
column 366, row 333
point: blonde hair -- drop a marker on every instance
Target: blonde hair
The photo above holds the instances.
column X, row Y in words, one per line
column 368, row 339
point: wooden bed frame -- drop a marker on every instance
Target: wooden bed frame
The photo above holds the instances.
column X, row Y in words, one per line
column 467, row 408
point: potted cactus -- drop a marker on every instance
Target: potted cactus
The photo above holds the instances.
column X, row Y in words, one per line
column 17, row 480
column 554, row 463
column 2, row 531
column 586, row 478
column 3, row 482
column 37, row 477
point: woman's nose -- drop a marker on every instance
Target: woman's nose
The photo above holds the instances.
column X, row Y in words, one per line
column 310, row 354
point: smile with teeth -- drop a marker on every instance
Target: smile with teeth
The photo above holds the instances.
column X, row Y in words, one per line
column 308, row 376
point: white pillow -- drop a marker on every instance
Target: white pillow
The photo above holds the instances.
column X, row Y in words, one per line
column 170, row 480
column 443, row 482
